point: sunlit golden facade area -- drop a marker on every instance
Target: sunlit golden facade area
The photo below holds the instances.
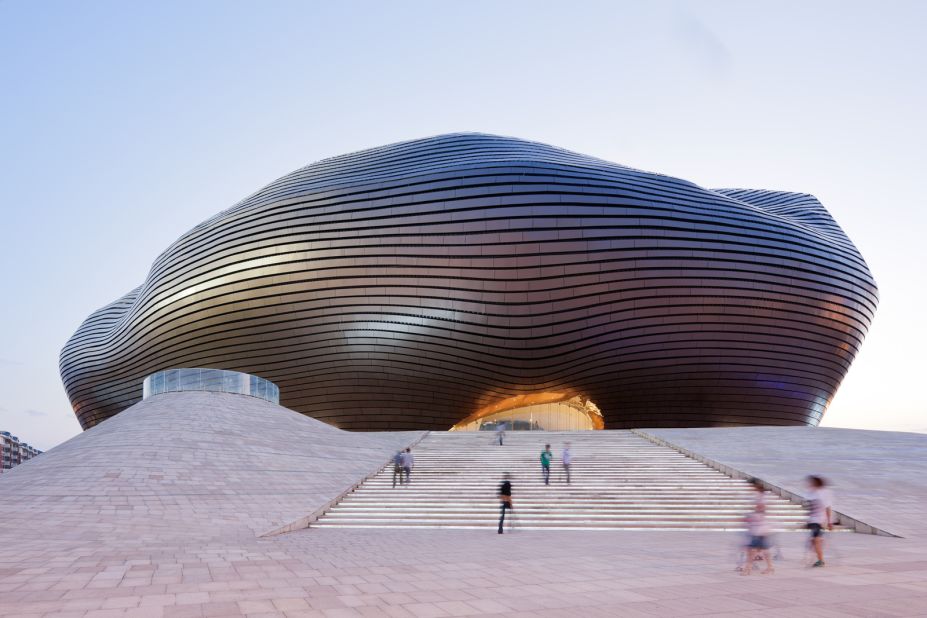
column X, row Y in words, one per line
column 549, row 412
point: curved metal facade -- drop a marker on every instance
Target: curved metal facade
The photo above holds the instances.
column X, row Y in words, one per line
column 407, row 286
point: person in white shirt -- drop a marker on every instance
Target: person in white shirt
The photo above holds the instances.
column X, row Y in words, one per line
column 567, row 459
column 820, row 515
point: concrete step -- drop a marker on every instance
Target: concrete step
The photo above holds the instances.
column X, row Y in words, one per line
column 564, row 516
column 605, row 504
column 493, row 506
column 619, row 481
column 548, row 525
column 555, row 490
column 556, row 519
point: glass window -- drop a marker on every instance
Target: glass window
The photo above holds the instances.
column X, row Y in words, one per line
column 213, row 380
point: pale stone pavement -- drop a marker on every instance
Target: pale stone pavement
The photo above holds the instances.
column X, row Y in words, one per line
column 417, row 573
column 164, row 523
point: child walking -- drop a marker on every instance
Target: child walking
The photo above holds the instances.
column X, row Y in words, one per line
column 758, row 528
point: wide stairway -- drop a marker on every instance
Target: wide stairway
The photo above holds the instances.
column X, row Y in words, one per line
column 619, row 481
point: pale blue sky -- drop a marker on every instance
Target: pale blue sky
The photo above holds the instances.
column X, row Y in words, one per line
column 124, row 124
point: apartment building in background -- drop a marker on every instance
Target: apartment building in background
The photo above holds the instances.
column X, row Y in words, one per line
column 14, row 452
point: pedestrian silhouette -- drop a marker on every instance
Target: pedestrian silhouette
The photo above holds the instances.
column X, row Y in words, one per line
column 567, row 459
column 758, row 531
column 505, row 500
column 408, row 462
column 820, row 515
column 397, row 467
column 546, row 456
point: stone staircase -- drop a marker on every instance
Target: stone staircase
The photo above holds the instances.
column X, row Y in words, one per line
column 620, row 481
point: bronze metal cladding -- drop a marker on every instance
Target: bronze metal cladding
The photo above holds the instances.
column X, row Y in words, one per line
column 409, row 286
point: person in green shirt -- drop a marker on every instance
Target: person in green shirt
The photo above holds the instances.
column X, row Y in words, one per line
column 546, row 456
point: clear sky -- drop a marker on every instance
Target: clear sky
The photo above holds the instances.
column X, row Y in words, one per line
column 123, row 124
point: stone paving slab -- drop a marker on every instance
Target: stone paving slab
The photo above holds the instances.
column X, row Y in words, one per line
column 328, row 572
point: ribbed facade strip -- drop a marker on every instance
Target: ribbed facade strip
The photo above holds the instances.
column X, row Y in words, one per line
column 407, row 286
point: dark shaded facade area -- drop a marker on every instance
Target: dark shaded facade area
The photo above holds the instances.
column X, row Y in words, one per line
column 407, row 286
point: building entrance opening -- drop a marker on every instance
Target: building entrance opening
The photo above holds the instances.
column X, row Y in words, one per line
column 536, row 412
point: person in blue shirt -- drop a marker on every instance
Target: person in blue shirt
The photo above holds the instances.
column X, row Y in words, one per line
column 407, row 461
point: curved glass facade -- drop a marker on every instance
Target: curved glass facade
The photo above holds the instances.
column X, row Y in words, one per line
column 213, row 380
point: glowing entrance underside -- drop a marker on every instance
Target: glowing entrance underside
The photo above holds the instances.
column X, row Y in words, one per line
column 539, row 411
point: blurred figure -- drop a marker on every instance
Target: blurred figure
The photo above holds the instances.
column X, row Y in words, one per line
column 408, row 462
column 397, row 467
column 546, row 456
column 758, row 532
column 505, row 500
column 820, row 515
column 567, row 459
column 500, row 432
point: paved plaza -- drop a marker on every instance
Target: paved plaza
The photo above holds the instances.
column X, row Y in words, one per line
column 165, row 522
column 334, row 573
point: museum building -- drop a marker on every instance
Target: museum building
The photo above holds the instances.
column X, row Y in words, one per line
column 472, row 281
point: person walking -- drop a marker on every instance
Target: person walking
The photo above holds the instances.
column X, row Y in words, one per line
column 505, row 500
column 820, row 515
column 758, row 547
column 567, row 459
column 758, row 531
column 407, row 461
column 500, row 432
column 546, row 456
column 397, row 468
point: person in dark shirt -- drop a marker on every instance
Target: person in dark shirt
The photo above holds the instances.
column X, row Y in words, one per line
column 505, row 499
column 397, row 468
